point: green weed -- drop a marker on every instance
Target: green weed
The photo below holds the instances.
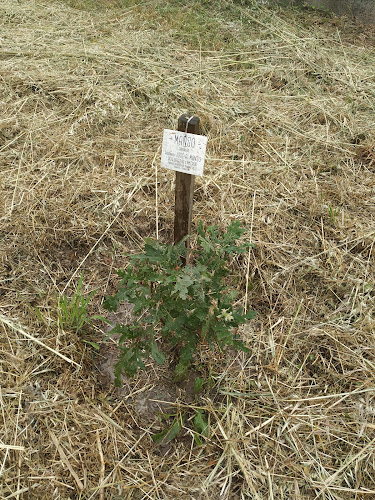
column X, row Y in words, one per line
column 333, row 213
column 200, row 427
column 73, row 311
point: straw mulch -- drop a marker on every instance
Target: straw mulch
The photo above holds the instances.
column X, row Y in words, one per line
column 286, row 98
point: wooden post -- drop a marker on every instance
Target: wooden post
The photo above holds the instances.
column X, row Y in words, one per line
column 184, row 187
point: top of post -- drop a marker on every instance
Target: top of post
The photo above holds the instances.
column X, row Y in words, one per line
column 192, row 124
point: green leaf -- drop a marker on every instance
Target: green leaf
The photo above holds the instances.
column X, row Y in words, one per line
column 93, row 344
column 158, row 356
column 198, row 384
column 186, row 353
column 154, row 252
column 201, row 427
column 186, row 356
column 168, row 434
column 180, row 371
column 250, row 315
column 111, row 303
column 182, row 285
column 239, row 344
column 118, row 374
column 102, row 319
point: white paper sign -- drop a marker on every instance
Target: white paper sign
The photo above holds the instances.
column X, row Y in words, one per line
column 183, row 152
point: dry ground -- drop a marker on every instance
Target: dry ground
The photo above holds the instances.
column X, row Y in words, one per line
column 286, row 98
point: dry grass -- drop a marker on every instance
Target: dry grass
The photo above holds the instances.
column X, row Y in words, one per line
column 287, row 100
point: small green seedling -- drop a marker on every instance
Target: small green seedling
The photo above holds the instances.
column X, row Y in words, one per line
column 200, row 428
column 72, row 311
column 183, row 306
column 170, row 433
column 198, row 384
column 333, row 213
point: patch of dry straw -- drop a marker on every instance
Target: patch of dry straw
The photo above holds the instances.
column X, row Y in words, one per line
column 289, row 111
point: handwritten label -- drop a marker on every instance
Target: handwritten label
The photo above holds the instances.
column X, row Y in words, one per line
column 183, row 152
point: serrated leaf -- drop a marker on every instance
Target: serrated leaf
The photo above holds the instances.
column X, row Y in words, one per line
column 111, row 303
column 180, row 371
column 118, row 375
column 250, row 315
column 158, row 356
column 200, row 229
column 186, row 353
column 182, row 285
column 240, row 345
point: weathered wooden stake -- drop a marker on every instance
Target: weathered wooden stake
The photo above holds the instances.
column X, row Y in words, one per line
column 184, row 187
